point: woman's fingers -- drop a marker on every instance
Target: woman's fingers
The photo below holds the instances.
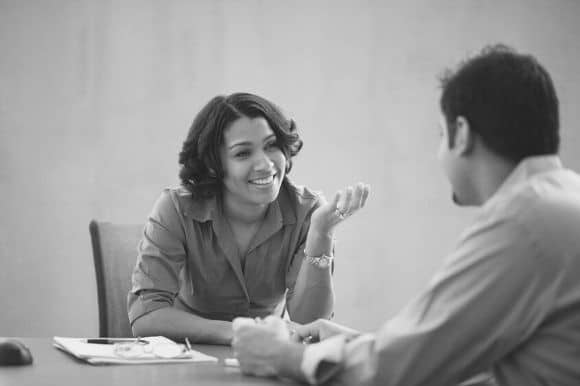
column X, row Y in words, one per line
column 362, row 193
column 336, row 199
column 344, row 203
column 354, row 199
column 357, row 197
column 348, row 200
column 366, row 191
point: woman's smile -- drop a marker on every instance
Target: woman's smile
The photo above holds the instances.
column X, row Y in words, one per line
column 263, row 181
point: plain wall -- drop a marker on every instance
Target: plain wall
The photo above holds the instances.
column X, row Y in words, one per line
column 97, row 96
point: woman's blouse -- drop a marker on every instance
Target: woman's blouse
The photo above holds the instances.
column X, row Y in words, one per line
column 188, row 252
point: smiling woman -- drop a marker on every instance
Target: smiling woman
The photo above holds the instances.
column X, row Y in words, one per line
column 237, row 238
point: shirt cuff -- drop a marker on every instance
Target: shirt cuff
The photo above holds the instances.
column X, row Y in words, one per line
column 329, row 351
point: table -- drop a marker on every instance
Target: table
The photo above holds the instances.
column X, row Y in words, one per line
column 54, row 367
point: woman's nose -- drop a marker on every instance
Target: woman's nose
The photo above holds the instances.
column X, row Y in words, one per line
column 263, row 162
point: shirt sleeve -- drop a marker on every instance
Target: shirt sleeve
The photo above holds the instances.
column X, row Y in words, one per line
column 489, row 296
column 155, row 278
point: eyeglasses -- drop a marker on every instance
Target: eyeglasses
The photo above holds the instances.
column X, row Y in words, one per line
column 141, row 349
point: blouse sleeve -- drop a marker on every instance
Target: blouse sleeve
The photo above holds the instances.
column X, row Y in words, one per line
column 161, row 257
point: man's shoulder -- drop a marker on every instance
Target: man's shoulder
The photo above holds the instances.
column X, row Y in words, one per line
column 545, row 194
column 546, row 207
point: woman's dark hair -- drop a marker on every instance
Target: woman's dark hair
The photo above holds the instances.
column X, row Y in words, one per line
column 508, row 99
column 201, row 168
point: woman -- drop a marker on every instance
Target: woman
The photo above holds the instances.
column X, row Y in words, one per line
column 237, row 238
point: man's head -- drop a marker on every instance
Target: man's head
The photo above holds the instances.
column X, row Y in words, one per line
column 501, row 101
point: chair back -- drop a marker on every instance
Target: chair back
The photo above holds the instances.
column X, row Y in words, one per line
column 114, row 255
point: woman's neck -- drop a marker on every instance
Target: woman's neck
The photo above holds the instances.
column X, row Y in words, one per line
column 243, row 213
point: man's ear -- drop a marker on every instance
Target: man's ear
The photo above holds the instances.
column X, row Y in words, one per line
column 464, row 136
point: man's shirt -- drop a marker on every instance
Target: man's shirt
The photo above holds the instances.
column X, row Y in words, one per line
column 506, row 300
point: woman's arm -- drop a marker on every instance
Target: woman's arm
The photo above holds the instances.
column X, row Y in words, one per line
column 313, row 294
column 177, row 324
column 155, row 282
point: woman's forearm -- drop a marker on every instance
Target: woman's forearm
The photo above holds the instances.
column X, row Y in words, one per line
column 178, row 324
column 313, row 294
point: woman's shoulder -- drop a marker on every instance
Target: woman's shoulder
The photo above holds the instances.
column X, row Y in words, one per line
column 301, row 196
column 174, row 195
column 181, row 200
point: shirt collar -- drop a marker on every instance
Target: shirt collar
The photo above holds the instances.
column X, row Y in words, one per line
column 526, row 169
column 280, row 211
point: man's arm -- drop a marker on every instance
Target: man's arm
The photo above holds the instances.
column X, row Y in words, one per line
column 492, row 292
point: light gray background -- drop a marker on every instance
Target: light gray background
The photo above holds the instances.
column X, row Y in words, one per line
column 96, row 98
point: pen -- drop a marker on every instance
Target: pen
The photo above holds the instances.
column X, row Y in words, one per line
column 188, row 345
column 113, row 341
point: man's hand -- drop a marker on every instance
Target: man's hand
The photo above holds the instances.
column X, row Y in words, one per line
column 262, row 346
column 318, row 330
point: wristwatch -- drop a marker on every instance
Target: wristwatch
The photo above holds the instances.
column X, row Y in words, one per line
column 322, row 261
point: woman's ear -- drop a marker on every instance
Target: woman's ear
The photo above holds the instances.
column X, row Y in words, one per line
column 464, row 136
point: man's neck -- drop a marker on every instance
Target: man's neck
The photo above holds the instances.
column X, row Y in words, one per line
column 490, row 175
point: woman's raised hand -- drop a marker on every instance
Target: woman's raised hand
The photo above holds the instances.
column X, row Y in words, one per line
column 344, row 204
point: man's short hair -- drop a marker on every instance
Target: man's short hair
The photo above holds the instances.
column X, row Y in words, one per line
column 508, row 99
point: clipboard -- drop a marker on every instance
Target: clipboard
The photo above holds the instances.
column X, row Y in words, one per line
column 110, row 351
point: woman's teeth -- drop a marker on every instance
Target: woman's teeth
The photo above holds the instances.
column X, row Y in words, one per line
column 263, row 181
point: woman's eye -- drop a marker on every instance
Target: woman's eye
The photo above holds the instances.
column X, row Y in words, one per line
column 242, row 154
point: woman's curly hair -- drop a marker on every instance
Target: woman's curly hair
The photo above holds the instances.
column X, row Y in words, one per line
column 201, row 168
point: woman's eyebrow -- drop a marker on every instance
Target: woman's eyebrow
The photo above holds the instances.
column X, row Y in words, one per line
column 269, row 137
column 243, row 143
column 249, row 143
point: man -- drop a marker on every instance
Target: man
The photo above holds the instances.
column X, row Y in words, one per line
column 507, row 300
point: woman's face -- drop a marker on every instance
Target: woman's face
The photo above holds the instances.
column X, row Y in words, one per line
column 254, row 165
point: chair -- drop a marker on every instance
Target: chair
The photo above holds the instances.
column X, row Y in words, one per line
column 114, row 255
